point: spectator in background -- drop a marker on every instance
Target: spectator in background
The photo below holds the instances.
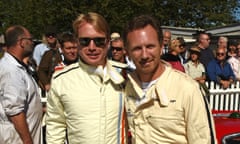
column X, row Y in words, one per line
column 232, row 49
column 49, row 41
column 222, row 42
column 3, row 49
column 49, row 60
column 206, row 54
column 194, row 68
column 86, row 98
column 20, row 105
column 173, row 56
column 238, row 48
column 184, row 53
column 163, row 105
column 114, row 36
column 69, row 49
column 219, row 70
column 234, row 60
column 166, row 41
column 118, row 51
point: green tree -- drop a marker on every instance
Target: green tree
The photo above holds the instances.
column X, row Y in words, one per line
column 37, row 14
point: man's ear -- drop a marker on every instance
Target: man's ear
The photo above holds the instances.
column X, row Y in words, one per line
column 124, row 51
column 21, row 43
column 161, row 49
column 108, row 45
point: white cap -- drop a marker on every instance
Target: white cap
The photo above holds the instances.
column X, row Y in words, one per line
column 115, row 36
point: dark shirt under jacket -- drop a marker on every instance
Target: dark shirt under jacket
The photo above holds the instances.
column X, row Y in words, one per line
column 174, row 61
column 206, row 55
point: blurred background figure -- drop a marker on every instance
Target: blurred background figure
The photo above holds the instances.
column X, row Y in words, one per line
column 50, row 55
column 117, row 48
column 194, row 67
column 3, row 49
column 118, row 51
column 222, row 42
column 184, row 53
column 115, row 36
column 69, row 50
column 49, row 41
column 173, row 56
column 206, row 53
column 232, row 49
column 166, row 41
column 234, row 60
column 219, row 70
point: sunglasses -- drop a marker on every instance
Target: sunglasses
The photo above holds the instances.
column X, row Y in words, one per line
column 50, row 35
column 117, row 48
column 220, row 54
column 181, row 46
column 98, row 41
column 194, row 52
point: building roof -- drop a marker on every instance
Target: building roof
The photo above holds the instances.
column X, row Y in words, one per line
column 232, row 30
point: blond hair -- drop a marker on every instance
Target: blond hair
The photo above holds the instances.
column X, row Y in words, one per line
column 98, row 22
column 174, row 44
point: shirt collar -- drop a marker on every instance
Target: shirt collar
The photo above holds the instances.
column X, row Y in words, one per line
column 158, row 89
column 15, row 60
column 108, row 72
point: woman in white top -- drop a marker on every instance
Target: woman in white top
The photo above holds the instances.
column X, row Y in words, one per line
column 194, row 68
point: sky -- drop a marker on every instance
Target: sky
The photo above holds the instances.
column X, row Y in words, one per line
column 238, row 13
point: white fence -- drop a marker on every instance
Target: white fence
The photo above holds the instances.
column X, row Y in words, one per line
column 224, row 99
column 219, row 99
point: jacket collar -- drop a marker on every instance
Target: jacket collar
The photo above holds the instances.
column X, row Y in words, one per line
column 156, row 91
column 108, row 72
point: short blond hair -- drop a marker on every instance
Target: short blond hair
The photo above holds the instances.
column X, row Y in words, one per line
column 174, row 44
column 95, row 19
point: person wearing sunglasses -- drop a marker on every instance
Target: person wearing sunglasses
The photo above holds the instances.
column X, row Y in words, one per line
column 86, row 97
column 118, row 51
column 175, row 49
column 20, row 104
column 194, row 68
column 219, row 70
column 49, row 60
column 49, row 41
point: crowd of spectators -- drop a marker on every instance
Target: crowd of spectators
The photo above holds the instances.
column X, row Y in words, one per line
column 59, row 53
column 220, row 64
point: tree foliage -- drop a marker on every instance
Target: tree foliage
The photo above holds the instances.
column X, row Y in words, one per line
column 37, row 14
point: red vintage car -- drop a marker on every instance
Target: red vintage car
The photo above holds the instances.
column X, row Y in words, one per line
column 225, row 106
column 227, row 125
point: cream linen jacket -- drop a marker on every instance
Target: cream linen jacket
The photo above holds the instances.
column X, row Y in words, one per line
column 172, row 111
column 89, row 103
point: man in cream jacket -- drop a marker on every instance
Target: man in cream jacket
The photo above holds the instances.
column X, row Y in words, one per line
column 163, row 105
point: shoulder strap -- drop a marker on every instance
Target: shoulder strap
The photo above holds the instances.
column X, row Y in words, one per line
column 212, row 133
